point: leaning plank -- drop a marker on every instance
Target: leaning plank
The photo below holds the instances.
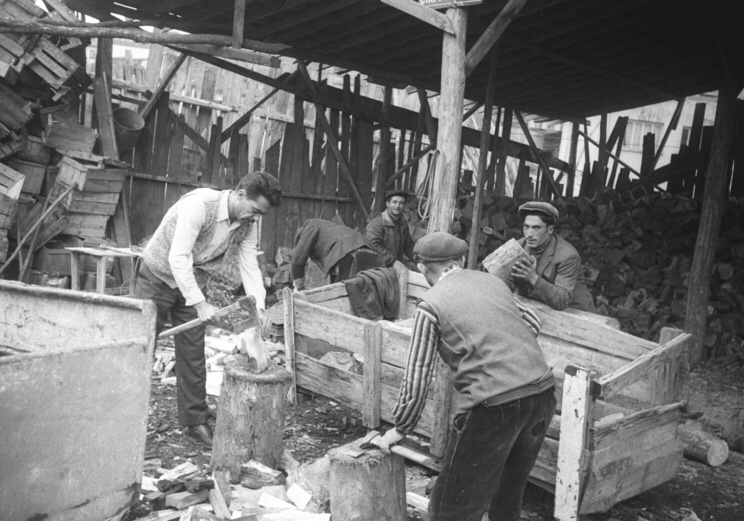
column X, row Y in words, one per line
column 492, row 34
column 641, row 367
column 571, row 455
column 289, row 341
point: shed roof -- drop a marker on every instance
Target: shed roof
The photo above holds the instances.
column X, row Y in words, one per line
column 566, row 59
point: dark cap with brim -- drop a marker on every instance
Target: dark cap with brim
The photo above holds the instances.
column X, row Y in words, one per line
column 440, row 246
column 539, row 207
column 392, row 193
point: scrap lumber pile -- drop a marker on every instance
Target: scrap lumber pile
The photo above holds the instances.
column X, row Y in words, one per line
column 637, row 255
column 56, row 183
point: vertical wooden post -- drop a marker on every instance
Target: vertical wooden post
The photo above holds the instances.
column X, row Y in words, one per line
column 449, row 138
column 503, row 148
column 382, row 156
column 482, row 165
column 289, row 342
column 572, row 159
column 575, row 416
column 671, row 378
column 372, row 388
column 238, row 24
column 710, row 219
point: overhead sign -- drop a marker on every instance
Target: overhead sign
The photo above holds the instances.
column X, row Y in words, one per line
column 443, row 4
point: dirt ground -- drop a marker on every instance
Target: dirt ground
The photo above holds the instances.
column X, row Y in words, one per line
column 317, row 424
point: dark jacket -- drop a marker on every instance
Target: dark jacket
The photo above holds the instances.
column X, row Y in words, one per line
column 325, row 243
column 561, row 278
column 392, row 239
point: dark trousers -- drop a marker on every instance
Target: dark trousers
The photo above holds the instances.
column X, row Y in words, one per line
column 191, row 368
column 490, row 454
column 354, row 262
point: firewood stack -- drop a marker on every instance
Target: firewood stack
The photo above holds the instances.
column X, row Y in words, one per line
column 42, row 144
column 637, row 255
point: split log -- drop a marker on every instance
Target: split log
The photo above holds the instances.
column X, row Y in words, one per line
column 701, row 445
column 371, row 487
column 250, row 417
column 501, row 261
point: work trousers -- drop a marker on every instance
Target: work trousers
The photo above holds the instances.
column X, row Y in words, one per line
column 191, row 368
column 352, row 263
column 489, row 455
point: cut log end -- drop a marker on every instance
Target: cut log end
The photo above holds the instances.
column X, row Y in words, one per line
column 702, row 445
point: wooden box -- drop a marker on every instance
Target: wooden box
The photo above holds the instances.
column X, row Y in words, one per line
column 33, row 172
column 11, row 181
column 3, row 245
column 621, row 394
column 8, row 210
column 36, row 151
column 75, row 371
column 63, row 135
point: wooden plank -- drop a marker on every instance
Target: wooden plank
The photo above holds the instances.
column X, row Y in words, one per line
column 336, row 328
column 289, row 341
column 577, row 410
column 102, row 95
column 238, row 24
column 491, row 35
column 161, row 88
column 425, row 14
column 639, row 368
column 633, row 424
column 372, row 385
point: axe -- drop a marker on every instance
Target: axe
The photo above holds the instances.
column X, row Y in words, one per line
column 245, row 303
column 372, row 440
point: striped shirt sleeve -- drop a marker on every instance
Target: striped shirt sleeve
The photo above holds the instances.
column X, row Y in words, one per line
column 419, row 369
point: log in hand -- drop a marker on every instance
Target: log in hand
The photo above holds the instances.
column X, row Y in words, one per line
column 526, row 271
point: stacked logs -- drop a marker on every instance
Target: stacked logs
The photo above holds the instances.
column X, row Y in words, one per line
column 637, row 254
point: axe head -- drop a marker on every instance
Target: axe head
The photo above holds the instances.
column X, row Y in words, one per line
column 248, row 304
column 368, row 442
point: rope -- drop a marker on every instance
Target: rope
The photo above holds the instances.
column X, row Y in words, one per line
column 427, row 187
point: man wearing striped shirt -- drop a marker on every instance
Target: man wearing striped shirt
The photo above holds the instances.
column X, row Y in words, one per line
column 505, row 390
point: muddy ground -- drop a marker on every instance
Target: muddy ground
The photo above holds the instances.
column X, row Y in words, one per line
column 318, row 424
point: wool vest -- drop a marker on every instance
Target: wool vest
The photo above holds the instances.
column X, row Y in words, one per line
column 490, row 350
column 222, row 265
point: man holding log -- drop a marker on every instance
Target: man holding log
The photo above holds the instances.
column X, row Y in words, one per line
column 554, row 275
column 207, row 233
column 505, row 390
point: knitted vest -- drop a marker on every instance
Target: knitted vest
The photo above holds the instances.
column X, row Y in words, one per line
column 490, row 350
column 223, row 265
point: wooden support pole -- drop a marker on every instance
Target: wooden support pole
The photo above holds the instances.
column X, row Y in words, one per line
column 372, row 388
column 382, row 156
column 575, row 416
column 710, row 219
column 672, row 126
column 402, row 170
column 482, row 166
column 446, row 176
column 238, row 24
column 289, row 342
column 500, row 187
column 333, row 142
column 572, row 159
column 431, row 128
column 423, row 13
column 537, row 155
column 492, row 34
column 161, row 88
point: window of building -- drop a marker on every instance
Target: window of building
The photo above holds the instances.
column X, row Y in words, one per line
column 685, row 140
column 635, row 131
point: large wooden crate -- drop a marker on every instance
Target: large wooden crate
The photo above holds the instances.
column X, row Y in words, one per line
column 622, row 394
column 74, row 397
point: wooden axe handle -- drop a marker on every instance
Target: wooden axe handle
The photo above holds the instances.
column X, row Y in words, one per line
column 235, row 306
column 402, row 450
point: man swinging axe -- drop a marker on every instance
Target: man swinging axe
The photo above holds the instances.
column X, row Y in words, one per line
column 505, row 390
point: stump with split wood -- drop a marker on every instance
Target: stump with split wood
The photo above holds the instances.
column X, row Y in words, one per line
column 250, row 417
column 368, row 487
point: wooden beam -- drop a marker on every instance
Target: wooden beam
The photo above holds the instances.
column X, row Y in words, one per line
column 372, row 388
column 289, row 341
column 333, row 141
column 161, row 88
column 102, row 94
column 402, row 170
column 492, row 34
column 384, row 151
column 472, row 110
column 482, row 166
column 672, row 126
column 242, row 55
column 93, row 31
column 719, row 163
column 537, row 155
column 425, row 14
column 238, row 24
column 572, row 159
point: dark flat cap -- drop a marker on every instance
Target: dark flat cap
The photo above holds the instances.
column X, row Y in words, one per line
column 402, row 193
column 440, row 246
column 540, row 207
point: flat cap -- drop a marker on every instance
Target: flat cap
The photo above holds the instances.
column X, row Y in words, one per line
column 540, row 207
column 440, row 246
column 402, row 193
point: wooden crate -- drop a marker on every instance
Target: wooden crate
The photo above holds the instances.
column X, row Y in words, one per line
column 36, row 151
column 75, row 371
column 69, row 136
column 34, row 174
column 11, row 181
column 633, row 447
column 3, row 245
column 8, row 210
column 51, row 63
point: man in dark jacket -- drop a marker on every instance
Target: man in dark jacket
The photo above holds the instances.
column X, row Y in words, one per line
column 556, row 277
column 388, row 232
column 338, row 250
column 505, row 390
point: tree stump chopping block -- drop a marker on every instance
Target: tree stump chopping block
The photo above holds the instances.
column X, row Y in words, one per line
column 250, row 417
column 370, row 487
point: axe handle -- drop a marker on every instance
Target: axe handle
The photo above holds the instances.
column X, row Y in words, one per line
column 402, row 450
column 235, row 306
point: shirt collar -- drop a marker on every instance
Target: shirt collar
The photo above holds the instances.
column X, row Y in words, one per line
column 223, row 213
column 449, row 271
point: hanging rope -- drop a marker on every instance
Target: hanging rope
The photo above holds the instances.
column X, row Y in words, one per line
column 427, row 187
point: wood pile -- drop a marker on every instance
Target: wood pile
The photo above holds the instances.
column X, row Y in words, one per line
column 43, row 150
column 637, row 254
